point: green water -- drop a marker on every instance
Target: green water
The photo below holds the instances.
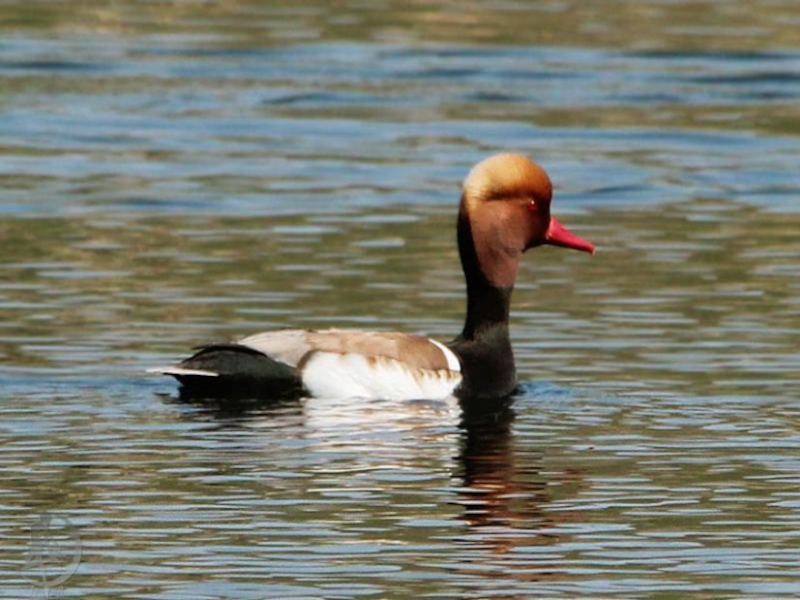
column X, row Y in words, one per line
column 177, row 173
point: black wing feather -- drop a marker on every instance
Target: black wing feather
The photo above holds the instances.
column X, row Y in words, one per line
column 242, row 372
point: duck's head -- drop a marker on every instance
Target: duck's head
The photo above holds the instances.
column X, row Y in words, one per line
column 505, row 205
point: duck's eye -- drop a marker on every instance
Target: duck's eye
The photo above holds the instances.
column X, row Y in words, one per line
column 532, row 204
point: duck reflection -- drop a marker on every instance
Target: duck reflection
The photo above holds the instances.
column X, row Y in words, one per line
column 504, row 495
column 501, row 487
column 232, row 410
column 401, row 434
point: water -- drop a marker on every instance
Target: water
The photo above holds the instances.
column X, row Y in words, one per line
column 174, row 173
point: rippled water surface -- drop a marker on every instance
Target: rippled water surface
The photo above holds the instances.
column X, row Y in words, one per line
column 174, row 173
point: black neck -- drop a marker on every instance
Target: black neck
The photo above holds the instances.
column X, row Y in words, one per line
column 487, row 305
column 484, row 346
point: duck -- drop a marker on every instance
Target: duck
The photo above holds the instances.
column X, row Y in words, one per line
column 504, row 211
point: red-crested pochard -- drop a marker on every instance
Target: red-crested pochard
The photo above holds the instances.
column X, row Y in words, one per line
column 505, row 210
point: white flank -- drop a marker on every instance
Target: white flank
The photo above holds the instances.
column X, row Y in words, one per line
column 452, row 359
column 182, row 372
column 331, row 375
